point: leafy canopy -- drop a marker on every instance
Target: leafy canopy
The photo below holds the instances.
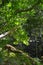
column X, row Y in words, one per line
column 14, row 14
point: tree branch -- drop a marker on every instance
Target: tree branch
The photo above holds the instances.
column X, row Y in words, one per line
column 10, row 48
column 9, row 32
column 4, row 34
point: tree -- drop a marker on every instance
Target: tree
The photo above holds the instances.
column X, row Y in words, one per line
column 18, row 18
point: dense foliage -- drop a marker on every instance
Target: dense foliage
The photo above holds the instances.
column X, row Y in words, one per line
column 18, row 18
